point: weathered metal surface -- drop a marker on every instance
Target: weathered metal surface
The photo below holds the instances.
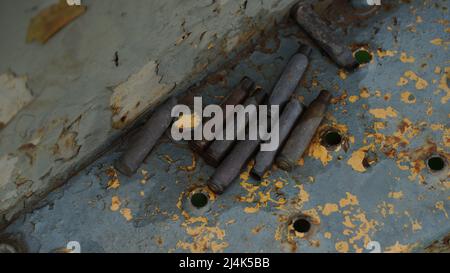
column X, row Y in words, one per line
column 392, row 114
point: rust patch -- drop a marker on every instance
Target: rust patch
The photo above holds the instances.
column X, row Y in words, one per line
column 51, row 20
column 66, row 148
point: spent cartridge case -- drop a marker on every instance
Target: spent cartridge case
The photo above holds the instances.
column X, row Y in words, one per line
column 289, row 79
column 303, row 132
column 220, row 148
column 237, row 96
column 232, row 165
column 144, row 141
column 287, row 121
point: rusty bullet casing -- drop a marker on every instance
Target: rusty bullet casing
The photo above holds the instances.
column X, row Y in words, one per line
column 290, row 78
column 303, row 132
column 144, row 141
column 237, row 96
column 323, row 35
column 265, row 159
column 232, row 165
column 220, row 148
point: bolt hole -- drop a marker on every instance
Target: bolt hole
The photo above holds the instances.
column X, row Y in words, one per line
column 436, row 163
column 332, row 139
column 199, row 200
column 302, row 225
column 363, row 56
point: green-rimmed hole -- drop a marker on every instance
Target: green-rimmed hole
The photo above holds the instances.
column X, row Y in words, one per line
column 199, row 200
column 363, row 56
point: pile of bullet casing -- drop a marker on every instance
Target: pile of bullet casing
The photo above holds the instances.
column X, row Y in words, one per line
column 297, row 123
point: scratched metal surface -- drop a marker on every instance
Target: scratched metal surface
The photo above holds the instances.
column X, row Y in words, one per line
column 396, row 200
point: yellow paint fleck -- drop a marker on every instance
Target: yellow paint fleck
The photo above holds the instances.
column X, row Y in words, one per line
column 416, row 226
column 408, row 98
column 356, row 161
column 113, row 183
column 303, row 196
column 437, row 127
column 126, row 212
column 402, row 81
column 399, row 248
column 319, row 152
column 327, row 235
column 343, row 74
column 420, row 83
column 252, row 210
column 437, row 42
column 386, row 209
column 115, row 203
column 348, row 222
column 342, row 247
column 443, row 85
column 329, row 208
column 257, row 229
column 386, row 53
column 191, row 167
column 440, row 206
column 279, row 184
column 404, row 58
column 364, row 93
column 396, row 195
column 349, row 200
column 353, row 99
column 384, row 113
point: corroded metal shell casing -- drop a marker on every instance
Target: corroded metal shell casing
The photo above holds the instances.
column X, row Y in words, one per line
column 144, row 141
column 287, row 121
column 323, row 35
column 290, row 78
column 231, row 166
column 237, row 96
column 303, row 132
column 220, row 148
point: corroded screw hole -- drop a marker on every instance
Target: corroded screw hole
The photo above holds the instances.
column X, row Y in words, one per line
column 302, row 225
column 363, row 56
column 331, row 139
column 436, row 163
column 199, row 200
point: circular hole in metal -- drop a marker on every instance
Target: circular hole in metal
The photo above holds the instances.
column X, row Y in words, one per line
column 331, row 139
column 436, row 163
column 199, row 200
column 363, row 56
column 302, row 225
